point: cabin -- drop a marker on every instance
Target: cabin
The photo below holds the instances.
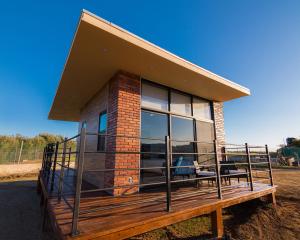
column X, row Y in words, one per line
column 150, row 149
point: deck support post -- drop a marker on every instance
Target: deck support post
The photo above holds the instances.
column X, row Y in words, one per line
column 168, row 174
column 249, row 166
column 269, row 165
column 271, row 199
column 78, row 182
column 217, row 223
column 217, row 170
column 62, row 169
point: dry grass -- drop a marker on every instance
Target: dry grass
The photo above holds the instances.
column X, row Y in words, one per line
column 252, row 220
column 258, row 221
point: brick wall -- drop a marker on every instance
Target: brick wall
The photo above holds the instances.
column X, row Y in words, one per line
column 123, row 119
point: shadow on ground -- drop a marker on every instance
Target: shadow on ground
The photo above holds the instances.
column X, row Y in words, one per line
column 20, row 212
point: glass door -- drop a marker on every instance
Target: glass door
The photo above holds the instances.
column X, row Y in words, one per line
column 155, row 126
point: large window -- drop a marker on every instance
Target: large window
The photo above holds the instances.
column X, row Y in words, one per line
column 185, row 119
column 154, row 97
column 102, row 130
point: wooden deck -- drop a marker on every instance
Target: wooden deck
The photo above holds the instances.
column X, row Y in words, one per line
column 129, row 219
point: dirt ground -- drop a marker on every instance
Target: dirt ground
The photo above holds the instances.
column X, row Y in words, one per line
column 20, row 214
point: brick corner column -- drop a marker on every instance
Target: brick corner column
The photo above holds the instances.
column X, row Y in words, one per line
column 124, row 104
column 219, row 124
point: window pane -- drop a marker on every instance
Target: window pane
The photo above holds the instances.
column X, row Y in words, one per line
column 154, row 97
column 205, row 131
column 180, row 103
column 102, row 130
column 154, row 125
column 201, row 109
column 205, row 136
column 182, row 129
column 102, row 122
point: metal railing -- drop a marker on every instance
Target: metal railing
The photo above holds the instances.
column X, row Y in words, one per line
column 63, row 170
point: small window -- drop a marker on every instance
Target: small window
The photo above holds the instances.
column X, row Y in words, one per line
column 83, row 125
column 154, row 97
column 181, row 103
column 201, row 109
column 102, row 131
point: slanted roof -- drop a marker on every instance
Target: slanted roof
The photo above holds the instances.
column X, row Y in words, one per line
column 100, row 49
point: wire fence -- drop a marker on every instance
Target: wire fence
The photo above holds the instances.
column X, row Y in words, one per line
column 17, row 155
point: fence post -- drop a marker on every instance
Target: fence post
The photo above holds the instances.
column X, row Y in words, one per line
column 217, row 170
column 168, row 174
column 54, row 165
column 20, row 154
column 249, row 166
column 78, row 182
column 61, row 176
column 270, row 165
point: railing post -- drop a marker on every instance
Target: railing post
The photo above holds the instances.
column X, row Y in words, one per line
column 224, row 155
column 249, row 166
column 217, row 170
column 168, row 174
column 48, row 163
column 43, row 162
column 78, row 182
column 62, row 169
column 270, row 165
column 54, row 166
column 70, row 149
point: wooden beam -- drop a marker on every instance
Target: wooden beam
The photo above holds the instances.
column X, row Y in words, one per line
column 217, row 223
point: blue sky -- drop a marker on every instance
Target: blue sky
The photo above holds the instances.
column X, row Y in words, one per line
column 254, row 43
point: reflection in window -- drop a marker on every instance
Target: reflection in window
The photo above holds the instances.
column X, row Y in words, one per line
column 154, row 125
column 205, row 136
column 201, row 109
column 154, row 97
column 102, row 130
column 180, row 103
column 182, row 143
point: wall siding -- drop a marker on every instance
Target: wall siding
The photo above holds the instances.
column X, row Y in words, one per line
column 90, row 114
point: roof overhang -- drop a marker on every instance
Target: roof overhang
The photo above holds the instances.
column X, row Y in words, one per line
column 100, row 49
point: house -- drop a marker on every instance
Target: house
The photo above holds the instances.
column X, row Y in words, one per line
column 145, row 117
